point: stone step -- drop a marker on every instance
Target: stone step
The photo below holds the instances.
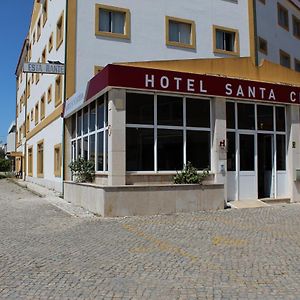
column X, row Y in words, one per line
column 276, row 200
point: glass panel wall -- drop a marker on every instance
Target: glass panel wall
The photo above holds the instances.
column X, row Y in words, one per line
column 165, row 132
column 89, row 134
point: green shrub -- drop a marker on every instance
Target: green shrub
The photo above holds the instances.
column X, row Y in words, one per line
column 190, row 175
column 5, row 165
column 83, row 170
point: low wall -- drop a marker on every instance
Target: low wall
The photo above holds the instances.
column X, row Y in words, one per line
column 119, row 201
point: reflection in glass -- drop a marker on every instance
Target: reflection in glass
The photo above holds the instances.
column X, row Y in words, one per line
column 100, row 113
column 169, row 111
column 280, row 118
column 85, row 120
column 85, row 148
column 139, row 108
column 169, row 149
column 198, row 149
column 197, row 113
column 92, row 120
column 246, row 116
column 246, row 152
column 139, row 149
column 231, row 163
column 100, row 151
column 281, row 152
column 265, row 117
column 230, row 115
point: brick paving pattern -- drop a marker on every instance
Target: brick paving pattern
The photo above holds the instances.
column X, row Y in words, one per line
column 46, row 253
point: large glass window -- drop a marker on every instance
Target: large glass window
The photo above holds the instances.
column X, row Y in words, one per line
column 139, row 108
column 164, row 141
column 246, row 116
column 280, row 118
column 89, row 134
column 281, row 152
column 231, row 151
column 246, row 152
column 169, row 111
column 265, row 118
column 198, row 148
column 140, row 149
column 197, row 113
column 169, row 149
column 230, row 115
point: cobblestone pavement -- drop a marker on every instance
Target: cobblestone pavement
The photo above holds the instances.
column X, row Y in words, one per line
column 232, row 254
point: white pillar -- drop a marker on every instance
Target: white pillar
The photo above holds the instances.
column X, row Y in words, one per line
column 117, row 137
column 293, row 151
column 218, row 149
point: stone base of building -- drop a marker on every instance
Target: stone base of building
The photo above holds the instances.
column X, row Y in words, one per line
column 120, row 201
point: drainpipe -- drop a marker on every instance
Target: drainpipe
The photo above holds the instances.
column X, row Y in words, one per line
column 64, row 98
column 255, row 33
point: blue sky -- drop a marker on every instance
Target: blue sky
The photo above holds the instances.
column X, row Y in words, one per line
column 14, row 23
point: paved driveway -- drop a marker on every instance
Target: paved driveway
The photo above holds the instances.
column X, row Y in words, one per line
column 233, row 254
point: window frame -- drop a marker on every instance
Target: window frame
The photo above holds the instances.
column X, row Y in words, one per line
column 60, row 37
column 30, row 161
column 296, row 20
column 58, row 97
column 39, row 159
column 287, row 55
column 282, row 8
column 264, row 51
column 57, row 164
column 236, row 51
column 192, row 23
column 127, row 25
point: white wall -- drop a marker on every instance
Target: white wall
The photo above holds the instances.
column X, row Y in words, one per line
column 11, row 142
column 148, row 32
column 277, row 37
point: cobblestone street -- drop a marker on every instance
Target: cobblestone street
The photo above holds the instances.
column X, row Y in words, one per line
column 46, row 253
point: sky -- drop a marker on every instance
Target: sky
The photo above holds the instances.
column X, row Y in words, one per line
column 14, row 23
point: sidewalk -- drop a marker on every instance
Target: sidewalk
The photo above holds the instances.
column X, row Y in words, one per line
column 54, row 198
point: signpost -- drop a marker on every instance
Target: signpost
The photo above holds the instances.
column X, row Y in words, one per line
column 43, row 68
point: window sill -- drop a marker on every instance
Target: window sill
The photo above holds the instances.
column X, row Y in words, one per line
column 113, row 35
column 180, row 45
column 232, row 53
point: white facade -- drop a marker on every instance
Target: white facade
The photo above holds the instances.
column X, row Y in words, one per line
column 277, row 37
column 148, row 32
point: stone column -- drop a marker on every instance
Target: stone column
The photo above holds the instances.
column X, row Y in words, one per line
column 218, row 149
column 117, row 137
column 293, row 151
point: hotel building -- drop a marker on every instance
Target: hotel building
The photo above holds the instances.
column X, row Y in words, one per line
column 197, row 89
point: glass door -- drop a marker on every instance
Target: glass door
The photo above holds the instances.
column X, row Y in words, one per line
column 247, row 172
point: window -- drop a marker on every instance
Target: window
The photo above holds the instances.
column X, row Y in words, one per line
column 296, row 27
column 231, row 151
column 30, row 160
column 246, row 116
column 27, row 123
column 112, row 21
column 280, row 118
column 164, row 132
column 297, row 65
column 45, row 12
column 89, row 133
column 226, row 40
column 59, row 31
column 180, row 33
column 38, row 32
column 31, row 115
column 283, row 16
column 40, row 159
column 42, row 107
column 263, row 46
column 97, row 69
column 28, row 88
column 285, row 59
column 50, row 43
column 57, row 160
column 33, row 37
column 58, row 90
column 281, row 152
column 230, row 115
column 265, row 117
column 36, row 116
column 44, row 56
column 37, row 75
column 49, row 94
column 29, row 52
